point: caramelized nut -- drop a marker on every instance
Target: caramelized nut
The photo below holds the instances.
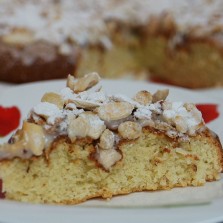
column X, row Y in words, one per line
column 86, row 82
column 115, row 111
column 143, row 97
column 85, row 104
column 96, row 125
column 130, row 130
column 181, row 124
column 194, row 112
column 108, row 157
column 70, row 81
column 53, row 98
column 78, row 127
column 160, row 95
column 34, row 137
column 107, row 139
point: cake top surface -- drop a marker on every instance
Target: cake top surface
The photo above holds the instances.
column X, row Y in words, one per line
column 62, row 22
column 84, row 110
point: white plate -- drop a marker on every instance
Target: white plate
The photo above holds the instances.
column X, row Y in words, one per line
column 25, row 96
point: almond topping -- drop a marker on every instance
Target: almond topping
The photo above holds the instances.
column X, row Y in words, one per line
column 107, row 139
column 130, row 130
column 96, row 125
column 181, row 124
column 115, row 111
column 34, row 137
column 108, row 157
column 160, row 95
column 84, row 104
column 53, row 98
column 30, row 140
column 143, row 97
column 70, row 81
column 78, row 127
column 86, row 82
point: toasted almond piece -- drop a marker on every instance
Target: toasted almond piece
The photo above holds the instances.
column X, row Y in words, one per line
column 53, row 98
column 96, row 125
column 85, row 104
column 160, row 95
column 48, row 111
column 107, row 139
column 34, row 138
column 130, row 130
column 115, row 110
column 143, row 98
column 189, row 106
column 194, row 111
column 86, row 82
column 8, row 151
column 108, row 157
column 181, row 124
column 78, row 127
column 70, row 81
column 28, row 141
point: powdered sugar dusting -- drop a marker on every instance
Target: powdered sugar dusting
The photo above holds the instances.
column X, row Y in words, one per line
column 143, row 113
column 101, row 111
column 48, row 110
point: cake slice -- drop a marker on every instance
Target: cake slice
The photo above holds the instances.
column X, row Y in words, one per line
column 82, row 143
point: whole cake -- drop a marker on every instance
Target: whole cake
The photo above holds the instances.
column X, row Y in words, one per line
column 82, row 143
column 179, row 42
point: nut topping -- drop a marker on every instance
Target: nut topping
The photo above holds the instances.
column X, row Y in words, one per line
column 130, row 130
column 86, row 82
column 34, row 137
column 115, row 110
column 85, row 110
column 96, row 125
column 143, row 97
column 84, row 104
column 108, row 157
column 70, row 81
column 78, row 127
column 107, row 139
column 30, row 140
column 53, row 98
column 180, row 123
column 160, row 95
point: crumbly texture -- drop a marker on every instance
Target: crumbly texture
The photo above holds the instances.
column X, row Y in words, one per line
column 69, row 174
column 179, row 42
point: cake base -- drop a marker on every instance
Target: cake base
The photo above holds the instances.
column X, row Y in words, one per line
column 69, row 174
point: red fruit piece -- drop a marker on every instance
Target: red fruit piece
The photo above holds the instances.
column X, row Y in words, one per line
column 9, row 119
column 209, row 111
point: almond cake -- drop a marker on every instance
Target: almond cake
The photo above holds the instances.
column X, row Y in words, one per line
column 81, row 143
column 179, row 42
